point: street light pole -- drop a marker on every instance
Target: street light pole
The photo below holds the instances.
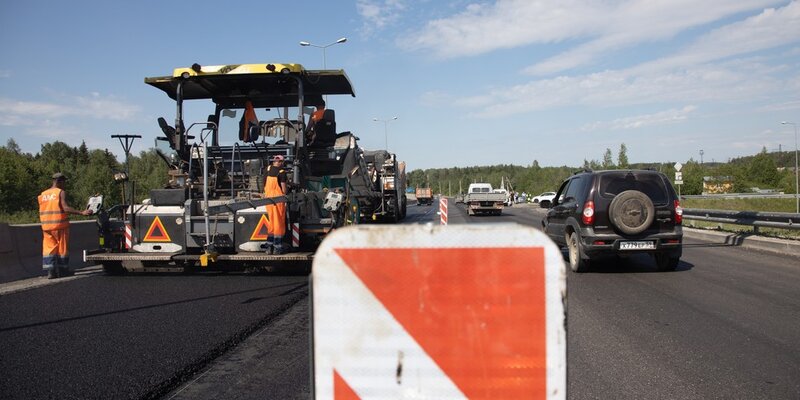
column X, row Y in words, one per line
column 385, row 129
column 324, row 56
column 796, row 172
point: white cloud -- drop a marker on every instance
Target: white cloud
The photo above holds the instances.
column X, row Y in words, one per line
column 769, row 29
column 602, row 26
column 96, row 106
column 704, row 70
column 4, row 73
column 378, row 14
column 729, row 82
column 640, row 121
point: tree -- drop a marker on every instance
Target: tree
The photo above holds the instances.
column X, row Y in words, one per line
column 608, row 161
column 762, row 171
column 622, row 156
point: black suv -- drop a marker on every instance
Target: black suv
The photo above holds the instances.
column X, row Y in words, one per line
column 611, row 213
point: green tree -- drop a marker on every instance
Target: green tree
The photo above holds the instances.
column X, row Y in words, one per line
column 762, row 171
column 608, row 160
column 17, row 190
column 622, row 156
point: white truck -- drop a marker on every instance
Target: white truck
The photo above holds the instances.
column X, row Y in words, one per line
column 481, row 199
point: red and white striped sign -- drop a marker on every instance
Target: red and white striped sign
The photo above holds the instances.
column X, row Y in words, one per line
column 296, row 234
column 419, row 315
column 443, row 210
column 128, row 237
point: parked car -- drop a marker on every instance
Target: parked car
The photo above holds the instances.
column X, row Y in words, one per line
column 544, row 199
column 616, row 213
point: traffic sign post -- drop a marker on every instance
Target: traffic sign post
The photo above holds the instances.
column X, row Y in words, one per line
column 418, row 314
column 678, row 177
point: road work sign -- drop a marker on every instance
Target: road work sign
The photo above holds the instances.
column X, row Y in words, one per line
column 439, row 312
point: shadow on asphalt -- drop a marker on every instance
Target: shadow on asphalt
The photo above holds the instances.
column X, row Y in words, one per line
column 636, row 263
column 734, row 239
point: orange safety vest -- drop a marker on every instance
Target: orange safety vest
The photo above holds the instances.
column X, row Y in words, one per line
column 317, row 115
column 51, row 214
column 249, row 118
column 276, row 213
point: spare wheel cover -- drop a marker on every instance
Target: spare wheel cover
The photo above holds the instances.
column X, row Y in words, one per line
column 631, row 212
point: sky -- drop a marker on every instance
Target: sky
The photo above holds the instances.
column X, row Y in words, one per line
column 470, row 82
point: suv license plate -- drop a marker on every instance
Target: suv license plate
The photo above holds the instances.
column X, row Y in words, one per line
column 641, row 245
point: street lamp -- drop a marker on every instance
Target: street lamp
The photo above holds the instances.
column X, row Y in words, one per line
column 324, row 61
column 796, row 187
column 385, row 129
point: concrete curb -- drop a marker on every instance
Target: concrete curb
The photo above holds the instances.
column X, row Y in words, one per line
column 783, row 247
column 21, row 255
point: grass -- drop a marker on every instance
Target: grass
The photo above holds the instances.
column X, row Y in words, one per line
column 760, row 205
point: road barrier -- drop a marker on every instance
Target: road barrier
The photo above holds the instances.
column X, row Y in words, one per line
column 443, row 211
column 21, row 248
column 750, row 218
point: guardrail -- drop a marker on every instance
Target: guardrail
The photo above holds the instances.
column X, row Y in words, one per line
column 751, row 218
column 780, row 195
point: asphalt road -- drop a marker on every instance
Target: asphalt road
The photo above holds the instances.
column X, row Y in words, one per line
column 726, row 324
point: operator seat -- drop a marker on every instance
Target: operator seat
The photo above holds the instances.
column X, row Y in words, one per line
column 323, row 132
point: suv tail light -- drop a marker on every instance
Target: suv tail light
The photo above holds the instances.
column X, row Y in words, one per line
column 588, row 213
column 678, row 212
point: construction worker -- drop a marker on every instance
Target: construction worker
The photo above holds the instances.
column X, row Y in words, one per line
column 316, row 116
column 274, row 186
column 53, row 210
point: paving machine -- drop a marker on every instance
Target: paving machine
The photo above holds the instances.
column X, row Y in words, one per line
column 212, row 211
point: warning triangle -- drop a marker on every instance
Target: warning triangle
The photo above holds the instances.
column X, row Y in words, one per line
column 341, row 390
column 262, row 229
column 479, row 313
column 156, row 232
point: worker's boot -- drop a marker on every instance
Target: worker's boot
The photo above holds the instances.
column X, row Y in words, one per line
column 65, row 271
column 52, row 273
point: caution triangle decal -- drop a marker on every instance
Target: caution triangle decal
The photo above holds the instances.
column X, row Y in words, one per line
column 262, row 231
column 156, row 232
column 457, row 324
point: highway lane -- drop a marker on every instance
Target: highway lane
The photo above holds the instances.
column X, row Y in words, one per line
column 725, row 325
column 135, row 336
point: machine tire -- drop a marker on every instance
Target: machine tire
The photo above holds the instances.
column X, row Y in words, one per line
column 544, row 204
column 576, row 263
column 114, row 268
column 631, row 212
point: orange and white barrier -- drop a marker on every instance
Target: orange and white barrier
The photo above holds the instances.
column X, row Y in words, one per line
column 443, row 211
column 417, row 314
column 296, row 234
column 128, row 237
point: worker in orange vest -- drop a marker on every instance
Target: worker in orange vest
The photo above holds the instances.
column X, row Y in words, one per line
column 53, row 210
column 275, row 186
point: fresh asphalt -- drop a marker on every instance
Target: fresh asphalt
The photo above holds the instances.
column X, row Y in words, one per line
column 724, row 325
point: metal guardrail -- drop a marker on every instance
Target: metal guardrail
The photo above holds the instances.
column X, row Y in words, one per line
column 780, row 195
column 751, row 218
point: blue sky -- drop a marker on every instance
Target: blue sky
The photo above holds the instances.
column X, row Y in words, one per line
column 471, row 82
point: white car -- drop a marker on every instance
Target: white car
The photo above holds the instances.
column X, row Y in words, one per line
column 544, row 199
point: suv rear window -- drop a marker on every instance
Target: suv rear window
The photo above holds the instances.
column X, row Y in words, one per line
column 652, row 185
